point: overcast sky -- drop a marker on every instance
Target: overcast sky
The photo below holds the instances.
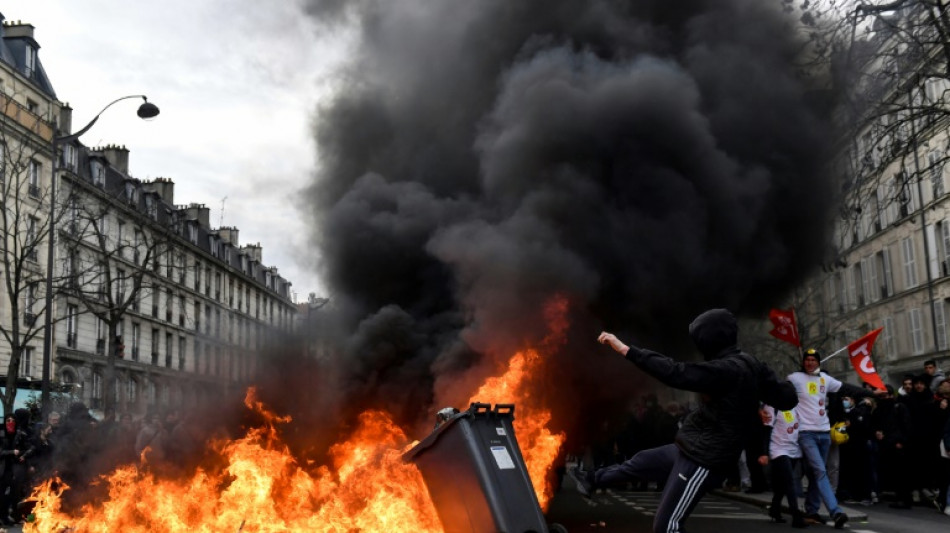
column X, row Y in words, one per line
column 236, row 81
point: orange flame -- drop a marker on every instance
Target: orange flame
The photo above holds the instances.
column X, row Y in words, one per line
column 262, row 488
column 539, row 446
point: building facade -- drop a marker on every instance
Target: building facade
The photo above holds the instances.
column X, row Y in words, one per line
column 152, row 306
column 891, row 266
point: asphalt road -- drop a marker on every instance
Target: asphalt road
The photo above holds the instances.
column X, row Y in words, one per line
column 617, row 511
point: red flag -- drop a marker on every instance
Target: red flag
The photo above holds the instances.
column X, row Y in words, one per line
column 785, row 328
column 860, row 354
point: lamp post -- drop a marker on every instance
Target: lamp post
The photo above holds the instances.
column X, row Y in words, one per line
column 146, row 110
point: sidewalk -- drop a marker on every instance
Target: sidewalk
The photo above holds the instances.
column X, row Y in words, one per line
column 764, row 499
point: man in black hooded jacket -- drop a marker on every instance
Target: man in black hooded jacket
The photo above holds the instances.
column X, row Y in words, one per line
column 731, row 384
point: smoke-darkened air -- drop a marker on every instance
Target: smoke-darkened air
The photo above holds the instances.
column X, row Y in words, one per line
column 644, row 160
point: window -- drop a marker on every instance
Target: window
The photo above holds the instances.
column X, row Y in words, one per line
column 26, row 362
column 133, row 391
column 31, row 246
column 98, row 173
column 169, row 344
column 136, row 241
column 169, row 305
column 96, row 388
column 135, row 341
column 213, row 243
column 155, row 341
column 120, row 237
column 871, row 287
column 197, row 276
column 35, row 171
column 120, row 287
column 915, row 325
column 182, row 343
column 29, row 300
column 131, row 193
column 70, row 158
column 101, row 329
column 193, row 233
column 940, row 317
column 197, row 356
column 910, row 263
column 936, row 174
column 29, row 63
column 882, row 265
column 151, row 206
column 71, row 313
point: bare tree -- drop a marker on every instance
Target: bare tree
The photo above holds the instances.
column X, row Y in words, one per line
column 117, row 250
column 27, row 216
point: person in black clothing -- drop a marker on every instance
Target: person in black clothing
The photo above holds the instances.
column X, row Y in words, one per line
column 856, row 468
column 15, row 446
column 891, row 424
column 712, row 437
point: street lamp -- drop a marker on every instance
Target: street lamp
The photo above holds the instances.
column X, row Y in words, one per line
column 146, row 110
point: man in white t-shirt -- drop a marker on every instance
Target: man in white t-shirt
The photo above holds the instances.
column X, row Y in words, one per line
column 814, row 435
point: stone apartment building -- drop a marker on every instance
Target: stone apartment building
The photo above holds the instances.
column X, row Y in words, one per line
column 193, row 307
column 892, row 236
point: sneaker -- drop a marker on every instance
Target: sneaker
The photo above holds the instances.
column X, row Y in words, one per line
column 946, row 510
column 840, row 520
column 874, row 497
column 814, row 518
column 867, row 503
column 584, row 481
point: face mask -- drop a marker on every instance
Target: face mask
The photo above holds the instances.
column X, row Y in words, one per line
column 847, row 404
column 11, row 426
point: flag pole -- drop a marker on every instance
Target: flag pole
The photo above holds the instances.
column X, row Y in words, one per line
column 798, row 333
column 836, row 352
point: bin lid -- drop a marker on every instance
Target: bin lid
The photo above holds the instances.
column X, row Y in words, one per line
column 475, row 410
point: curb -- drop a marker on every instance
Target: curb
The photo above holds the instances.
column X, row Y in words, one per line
column 764, row 499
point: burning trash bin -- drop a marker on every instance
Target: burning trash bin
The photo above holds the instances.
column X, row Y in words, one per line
column 476, row 476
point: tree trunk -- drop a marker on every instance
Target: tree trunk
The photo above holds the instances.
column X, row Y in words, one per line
column 10, row 388
column 108, row 392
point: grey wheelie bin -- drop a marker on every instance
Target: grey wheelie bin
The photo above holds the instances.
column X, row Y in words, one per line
column 475, row 473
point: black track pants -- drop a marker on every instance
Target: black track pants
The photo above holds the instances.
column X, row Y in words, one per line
column 686, row 482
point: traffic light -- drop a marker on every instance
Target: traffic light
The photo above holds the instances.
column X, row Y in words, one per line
column 119, row 347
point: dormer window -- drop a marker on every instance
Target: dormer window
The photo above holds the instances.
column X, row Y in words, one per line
column 70, row 157
column 151, row 206
column 213, row 242
column 193, row 233
column 131, row 193
column 98, row 174
column 32, row 107
column 29, row 66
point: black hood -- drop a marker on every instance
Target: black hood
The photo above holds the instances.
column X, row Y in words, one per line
column 714, row 331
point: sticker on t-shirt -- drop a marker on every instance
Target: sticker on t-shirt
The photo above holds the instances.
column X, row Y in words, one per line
column 821, row 412
column 789, row 416
column 812, row 388
column 822, row 380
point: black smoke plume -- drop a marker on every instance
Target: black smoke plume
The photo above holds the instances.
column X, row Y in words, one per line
column 645, row 159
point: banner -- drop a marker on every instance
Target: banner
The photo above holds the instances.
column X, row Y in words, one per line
column 785, row 328
column 860, row 353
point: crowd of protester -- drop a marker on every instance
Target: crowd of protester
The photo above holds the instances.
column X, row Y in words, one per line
column 74, row 447
column 888, row 448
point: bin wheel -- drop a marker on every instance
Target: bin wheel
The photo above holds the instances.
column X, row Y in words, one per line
column 556, row 528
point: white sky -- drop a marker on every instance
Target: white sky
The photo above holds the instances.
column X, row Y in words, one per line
column 236, row 81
